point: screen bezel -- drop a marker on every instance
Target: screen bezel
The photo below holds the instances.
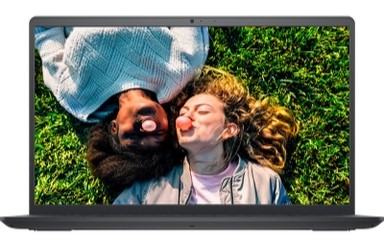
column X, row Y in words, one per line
column 192, row 209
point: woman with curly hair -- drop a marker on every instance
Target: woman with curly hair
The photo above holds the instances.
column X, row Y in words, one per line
column 235, row 146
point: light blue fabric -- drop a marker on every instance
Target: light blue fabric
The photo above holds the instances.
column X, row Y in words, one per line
column 89, row 66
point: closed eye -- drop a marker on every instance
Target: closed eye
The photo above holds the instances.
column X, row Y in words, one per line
column 182, row 113
column 203, row 112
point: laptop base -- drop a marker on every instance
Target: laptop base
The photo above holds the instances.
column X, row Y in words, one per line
column 348, row 222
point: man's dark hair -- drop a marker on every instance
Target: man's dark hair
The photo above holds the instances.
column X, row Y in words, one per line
column 120, row 167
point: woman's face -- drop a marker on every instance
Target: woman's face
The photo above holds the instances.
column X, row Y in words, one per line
column 201, row 122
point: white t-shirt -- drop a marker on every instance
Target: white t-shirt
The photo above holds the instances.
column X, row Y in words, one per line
column 205, row 188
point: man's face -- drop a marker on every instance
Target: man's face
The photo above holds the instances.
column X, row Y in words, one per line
column 140, row 122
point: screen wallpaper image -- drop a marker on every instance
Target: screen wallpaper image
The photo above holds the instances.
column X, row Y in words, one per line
column 192, row 115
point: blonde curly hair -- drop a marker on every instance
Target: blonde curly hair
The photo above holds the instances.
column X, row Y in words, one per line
column 264, row 128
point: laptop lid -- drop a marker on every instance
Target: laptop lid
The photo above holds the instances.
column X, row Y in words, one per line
column 304, row 64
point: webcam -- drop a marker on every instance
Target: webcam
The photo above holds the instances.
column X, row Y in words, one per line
column 192, row 21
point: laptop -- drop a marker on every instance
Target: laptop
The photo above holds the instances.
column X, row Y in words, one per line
column 305, row 64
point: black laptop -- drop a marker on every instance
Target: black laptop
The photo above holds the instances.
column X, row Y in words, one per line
column 305, row 64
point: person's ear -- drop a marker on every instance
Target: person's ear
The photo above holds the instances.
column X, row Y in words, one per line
column 113, row 125
column 230, row 131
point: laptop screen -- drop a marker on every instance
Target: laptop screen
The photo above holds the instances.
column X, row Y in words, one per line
column 205, row 112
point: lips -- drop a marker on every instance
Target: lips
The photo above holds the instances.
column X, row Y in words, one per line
column 149, row 127
column 188, row 132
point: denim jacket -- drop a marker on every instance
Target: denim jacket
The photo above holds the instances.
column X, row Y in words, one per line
column 250, row 184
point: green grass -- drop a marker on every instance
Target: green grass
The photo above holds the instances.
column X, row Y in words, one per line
column 304, row 69
column 62, row 175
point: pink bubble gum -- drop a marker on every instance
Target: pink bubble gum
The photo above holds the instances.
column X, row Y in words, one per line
column 148, row 125
column 183, row 123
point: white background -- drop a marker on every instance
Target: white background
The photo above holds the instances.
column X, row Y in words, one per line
column 14, row 18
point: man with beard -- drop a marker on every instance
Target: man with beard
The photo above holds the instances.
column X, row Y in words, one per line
column 118, row 78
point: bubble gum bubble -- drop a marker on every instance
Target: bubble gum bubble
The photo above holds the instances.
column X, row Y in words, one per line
column 148, row 125
column 183, row 123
